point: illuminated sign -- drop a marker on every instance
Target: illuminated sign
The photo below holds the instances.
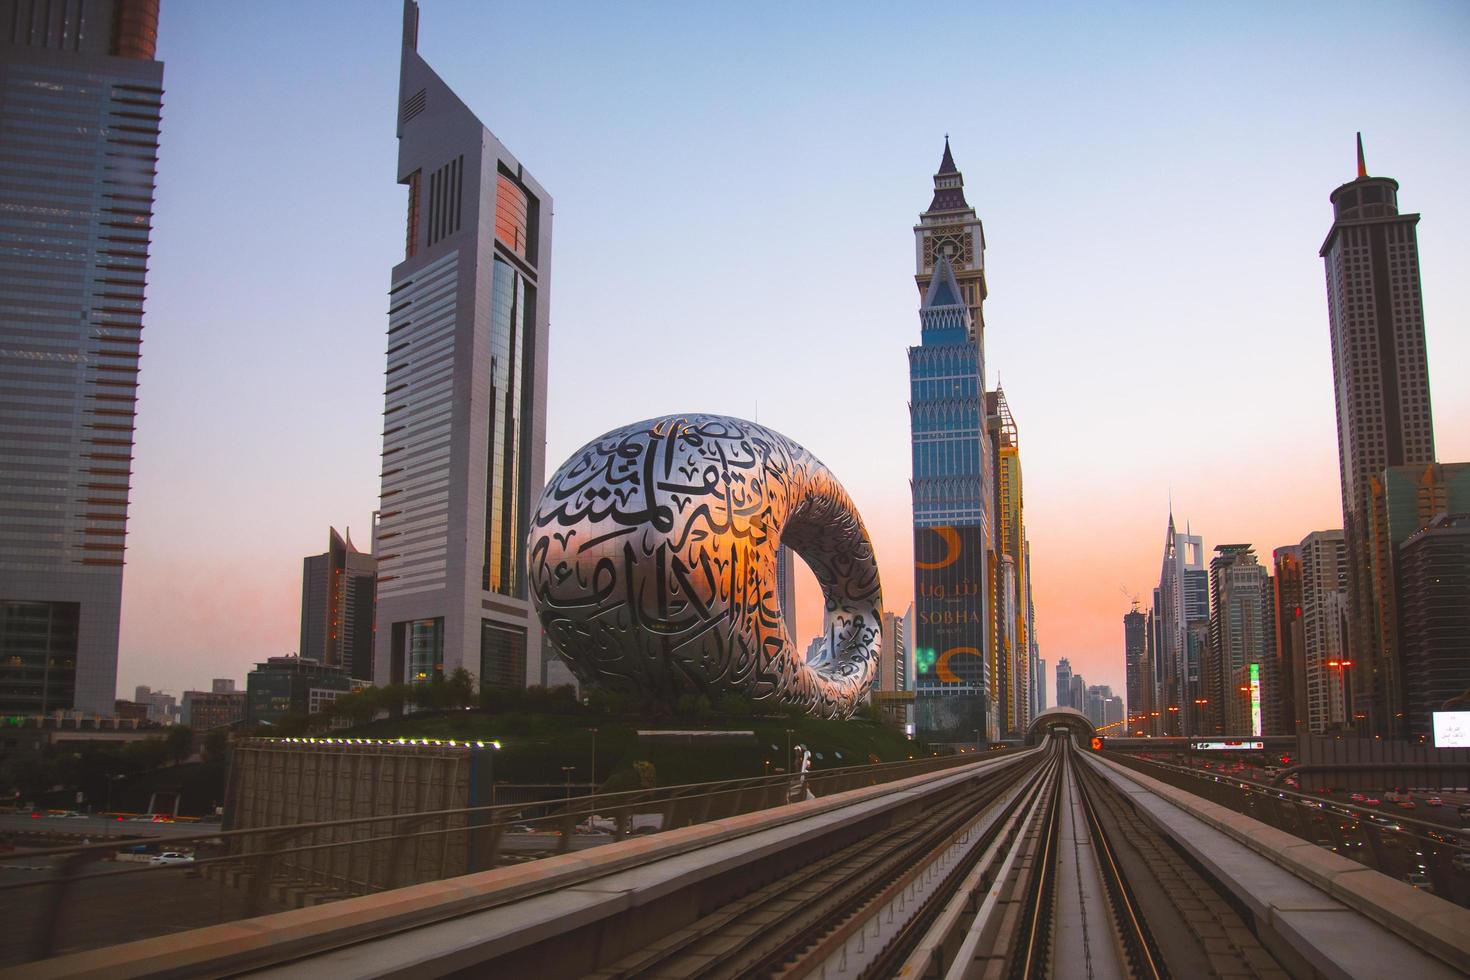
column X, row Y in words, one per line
column 1231, row 745
column 1096, row 743
column 1451, row 729
column 1255, row 699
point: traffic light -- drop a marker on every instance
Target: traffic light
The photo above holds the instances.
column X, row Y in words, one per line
column 1096, row 744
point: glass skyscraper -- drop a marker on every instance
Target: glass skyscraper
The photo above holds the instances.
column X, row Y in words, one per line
column 80, row 105
column 464, row 418
column 951, row 533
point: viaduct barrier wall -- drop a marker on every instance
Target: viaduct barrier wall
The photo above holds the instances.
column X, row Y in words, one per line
column 286, row 782
column 1371, row 764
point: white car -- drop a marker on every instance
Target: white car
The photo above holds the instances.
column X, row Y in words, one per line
column 172, row 857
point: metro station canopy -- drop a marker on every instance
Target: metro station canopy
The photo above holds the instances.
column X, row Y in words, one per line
column 1070, row 718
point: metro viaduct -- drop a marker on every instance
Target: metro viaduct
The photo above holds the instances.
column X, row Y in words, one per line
column 1318, row 913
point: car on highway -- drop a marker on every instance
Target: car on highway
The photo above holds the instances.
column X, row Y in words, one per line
column 1434, row 801
column 1357, row 797
column 1405, row 804
column 1373, row 801
column 172, row 857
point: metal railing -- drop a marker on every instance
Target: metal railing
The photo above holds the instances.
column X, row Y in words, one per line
column 246, row 872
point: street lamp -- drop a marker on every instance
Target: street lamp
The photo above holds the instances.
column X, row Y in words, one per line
column 788, row 748
column 567, row 772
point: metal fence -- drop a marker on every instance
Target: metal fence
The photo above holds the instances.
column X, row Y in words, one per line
column 267, row 869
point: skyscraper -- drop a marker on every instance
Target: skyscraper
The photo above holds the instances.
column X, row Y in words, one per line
column 1135, row 663
column 1325, row 660
column 465, row 403
column 950, row 229
column 954, row 697
column 1013, row 658
column 892, row 655
column 1380, row 376
column 1181, row 598
column 337, row 590
column 1286, row 612
column 80, row 104
column 1064, row 684
column 1238, row 594
column 1434, row 566
column 786, row 585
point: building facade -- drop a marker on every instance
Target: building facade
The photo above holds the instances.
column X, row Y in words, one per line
column 1239, row 593
column 338, row 598
column 1380, row 376
column 1181, row 599
column 80, row 104
column 1324, row 627
column 953, row 683
column 465, row 402
column 283, row 687
column 1286, row 614
column 1012, row 663
column 1064, row 684
column 203, row 710
column 1434, row 579
column 1136, row 665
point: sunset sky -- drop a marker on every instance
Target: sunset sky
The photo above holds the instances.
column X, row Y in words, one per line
column 735, row 190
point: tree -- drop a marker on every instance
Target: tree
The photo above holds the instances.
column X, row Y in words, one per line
column 180, row 742
column 459, row 689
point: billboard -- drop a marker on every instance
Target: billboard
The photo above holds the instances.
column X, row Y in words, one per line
column 1255, row 699
column 1451, row 729
column 1229, row 745
column 950, row 621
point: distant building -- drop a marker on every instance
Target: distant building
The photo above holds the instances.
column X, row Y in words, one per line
column 285, row 686
column 163, row 709
column 464, row 420
column 1078, row 695
column 1064, row 684
column 1012, row 587
column 892, row 656
column 1434, row 595
column 1136, row 666
column 1182, row 598
column 338, row 589
column 786, row 585
column 222, row 685
column 80, row 101
column 130, row 711
column 1238, row 587
column 1041, row 701
column 204, row 710
column 1380, row 377
column 1286, row 613
column 1112, row 714
column 1324, row 626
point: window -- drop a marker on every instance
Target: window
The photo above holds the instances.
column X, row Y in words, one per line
column 502, row 655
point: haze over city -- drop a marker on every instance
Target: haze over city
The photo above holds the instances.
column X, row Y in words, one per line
column 735, row 192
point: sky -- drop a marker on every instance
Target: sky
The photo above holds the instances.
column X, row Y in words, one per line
column 735, row 187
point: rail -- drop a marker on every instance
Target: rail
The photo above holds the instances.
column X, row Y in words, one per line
column 271, row 868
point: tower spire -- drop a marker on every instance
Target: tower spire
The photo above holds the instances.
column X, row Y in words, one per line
column 946, row 164
column 1362, row 167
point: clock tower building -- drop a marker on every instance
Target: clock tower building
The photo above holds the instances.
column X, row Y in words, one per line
column 950, row 228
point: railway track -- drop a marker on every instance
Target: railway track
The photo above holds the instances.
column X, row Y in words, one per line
column 1041, row 871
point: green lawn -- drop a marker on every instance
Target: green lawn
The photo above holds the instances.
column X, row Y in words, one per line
column 535, row 747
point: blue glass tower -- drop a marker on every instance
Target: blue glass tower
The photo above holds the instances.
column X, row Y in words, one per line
column 951, row 520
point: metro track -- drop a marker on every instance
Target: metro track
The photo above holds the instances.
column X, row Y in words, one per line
column 1056, row 876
